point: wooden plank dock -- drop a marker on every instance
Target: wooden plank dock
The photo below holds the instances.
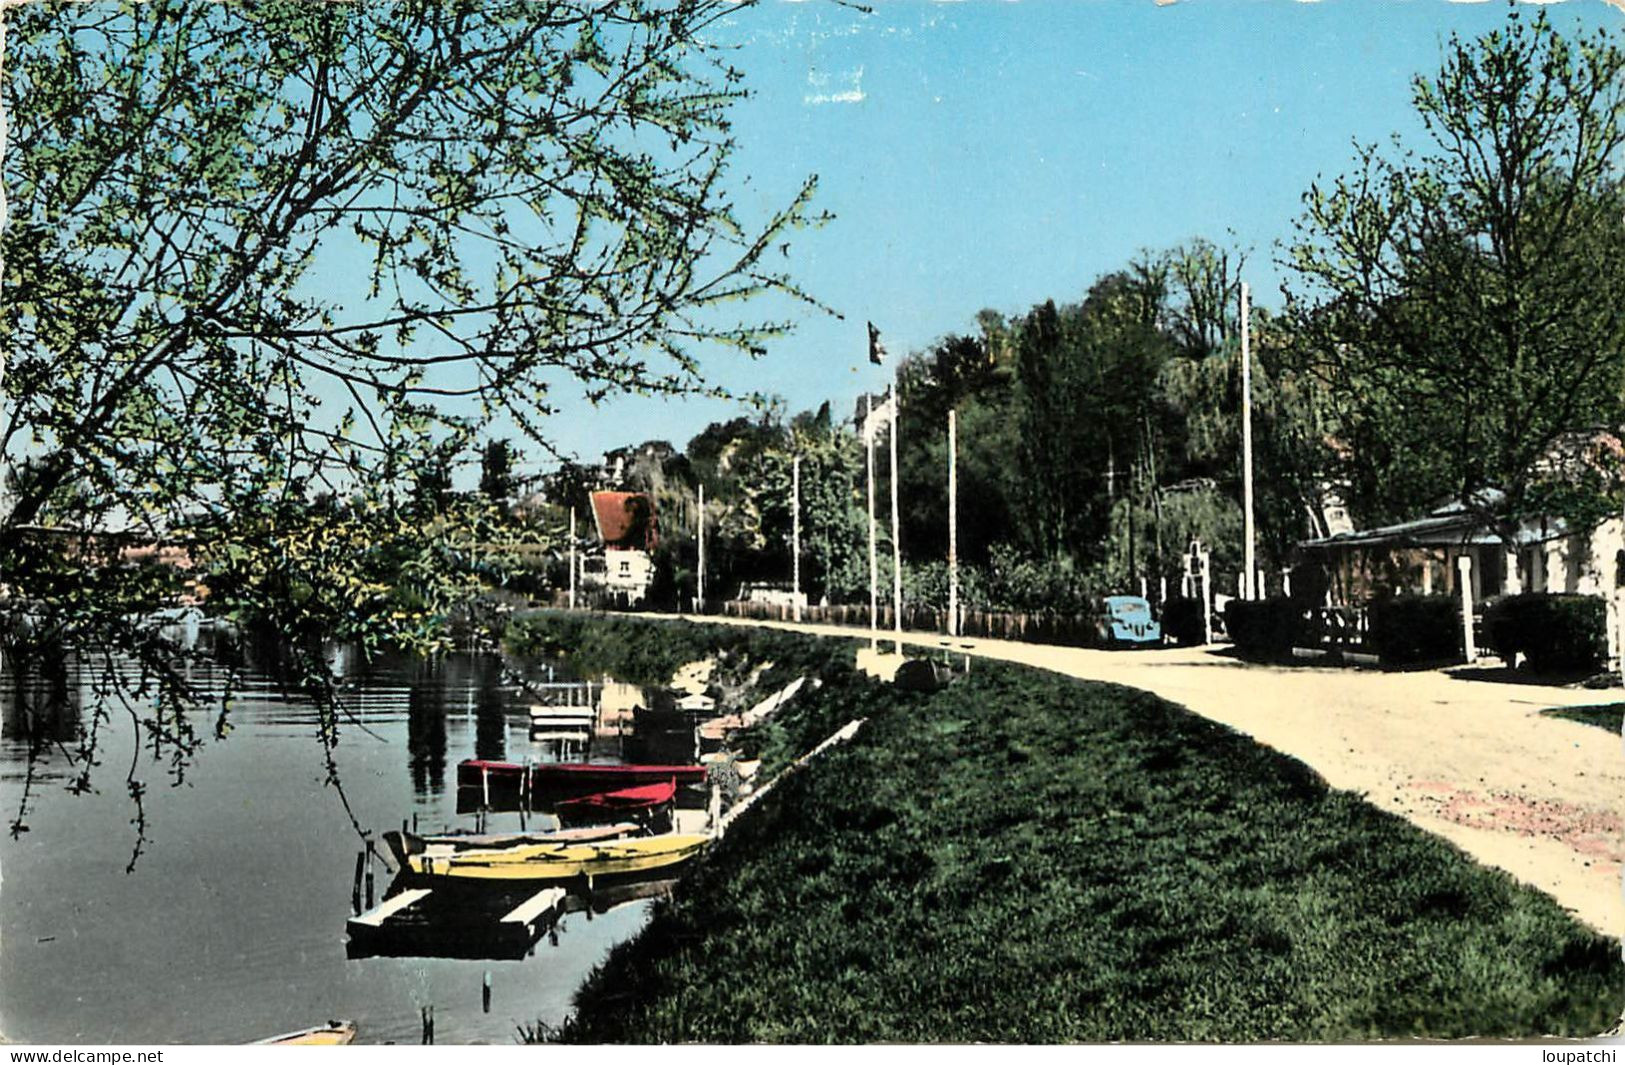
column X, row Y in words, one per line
column 452, row 923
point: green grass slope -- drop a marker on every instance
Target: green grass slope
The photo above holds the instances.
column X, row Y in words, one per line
column 1027, row 858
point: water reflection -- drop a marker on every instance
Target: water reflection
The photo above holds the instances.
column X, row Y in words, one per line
column 41, row 706
column 237, row 905
column 451, row 922
column 490, row 722
column 426, row 729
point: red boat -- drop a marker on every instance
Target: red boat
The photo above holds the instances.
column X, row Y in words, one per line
column 569, row 780
column 613, row 805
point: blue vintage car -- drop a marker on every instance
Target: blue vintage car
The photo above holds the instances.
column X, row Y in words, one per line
column 1126, row 620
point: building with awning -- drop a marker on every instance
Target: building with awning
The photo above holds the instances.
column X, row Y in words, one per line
column 1419, row 556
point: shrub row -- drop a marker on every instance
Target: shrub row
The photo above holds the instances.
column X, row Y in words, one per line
column 1264, row 628
column 1401, row 631
column 1182, row 620
column 1556, row 633
column 1408, row 629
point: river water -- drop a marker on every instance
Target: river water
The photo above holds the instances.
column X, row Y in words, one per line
column 230, row 925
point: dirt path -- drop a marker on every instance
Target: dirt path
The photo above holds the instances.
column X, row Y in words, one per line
column 1473, row 761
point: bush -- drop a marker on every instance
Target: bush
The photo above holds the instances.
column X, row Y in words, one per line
column 1415, row 628
column 1182, row 620
column 1263, row 628
column 1557, row 633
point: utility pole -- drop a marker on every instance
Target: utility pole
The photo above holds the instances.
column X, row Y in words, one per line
column 795, row 536
column 699, row 580
column 1464, row 571
column 1247, row 448
column 874, row 565
column 572, row 558
column 896, row 528
column 953, row 529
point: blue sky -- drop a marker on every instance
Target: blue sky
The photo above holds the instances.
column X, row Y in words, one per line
column 986, row 153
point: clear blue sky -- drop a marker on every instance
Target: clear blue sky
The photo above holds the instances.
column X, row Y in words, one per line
column 986, row 153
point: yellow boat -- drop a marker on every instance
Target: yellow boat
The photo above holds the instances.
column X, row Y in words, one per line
column 561, row 861
column 331, row 1034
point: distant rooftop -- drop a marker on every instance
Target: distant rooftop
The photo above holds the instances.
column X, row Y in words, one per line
column 626, row 520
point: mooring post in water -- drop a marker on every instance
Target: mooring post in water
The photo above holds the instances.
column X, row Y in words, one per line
column 414, row 820
column 524, row 792
column 355, row 887
column 428, row 1026
column 485, row 992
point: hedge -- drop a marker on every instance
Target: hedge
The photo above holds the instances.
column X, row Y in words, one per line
column 1408, row 629
column 1264, row 628
column 1556, row 633
column 1182, row 621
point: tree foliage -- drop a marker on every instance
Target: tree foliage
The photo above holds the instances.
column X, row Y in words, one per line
column 270, row 266
column 1465, row 298
column 257, row 248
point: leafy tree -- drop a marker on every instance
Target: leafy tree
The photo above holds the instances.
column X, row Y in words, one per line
column 498, row 483
column 961, row 374
column 1465, row 298
column 432, row 485
column 1203, row 284
column 1086, row 377
column 757, row 525
column 262, row 252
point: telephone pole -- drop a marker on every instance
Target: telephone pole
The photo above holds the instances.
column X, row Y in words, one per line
column 953, row 528
column 795, row 536
column 1248, row 570
column 874, row 565
column 896, row 527
column 572, row 558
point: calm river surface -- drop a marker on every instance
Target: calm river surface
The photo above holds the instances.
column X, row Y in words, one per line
column 230, row 927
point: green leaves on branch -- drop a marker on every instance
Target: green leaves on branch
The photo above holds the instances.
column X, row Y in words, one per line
column 1465, row 299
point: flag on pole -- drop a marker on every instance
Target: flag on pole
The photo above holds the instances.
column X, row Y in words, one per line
column 877, row 353
column 877, row 419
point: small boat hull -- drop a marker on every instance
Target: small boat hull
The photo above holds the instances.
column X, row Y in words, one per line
column 566, row 780
column 405, row 844
column 561, row 861
column 609, row 805
column 331, row 1034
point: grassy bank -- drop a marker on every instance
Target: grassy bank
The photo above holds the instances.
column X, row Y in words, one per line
column 1610, row 716
column 1027, row 858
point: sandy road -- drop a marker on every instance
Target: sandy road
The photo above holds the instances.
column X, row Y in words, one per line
column 1473, row 761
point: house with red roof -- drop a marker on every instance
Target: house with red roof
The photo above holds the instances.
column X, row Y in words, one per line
column 628, row 531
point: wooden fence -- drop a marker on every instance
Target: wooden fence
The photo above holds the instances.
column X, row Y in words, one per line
column 1073, row 630
column 1335, row 628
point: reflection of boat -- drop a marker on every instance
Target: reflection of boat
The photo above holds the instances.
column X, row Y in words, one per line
column 331, row 1034
column 569, row 779
column 561, row 861
column 604, row 899
column 404, row 844
column 607, row 805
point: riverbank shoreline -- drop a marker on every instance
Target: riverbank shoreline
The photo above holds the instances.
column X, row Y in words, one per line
column 1027, row 858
